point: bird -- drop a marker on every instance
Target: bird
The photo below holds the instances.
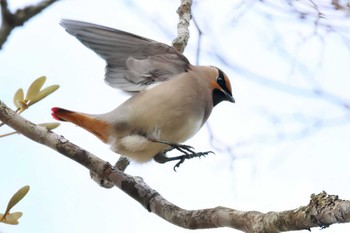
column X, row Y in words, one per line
column 171, row 99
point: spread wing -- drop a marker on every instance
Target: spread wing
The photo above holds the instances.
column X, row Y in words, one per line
column 133, row 62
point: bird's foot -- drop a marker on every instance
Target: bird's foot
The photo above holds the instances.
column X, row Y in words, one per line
column 188, row 153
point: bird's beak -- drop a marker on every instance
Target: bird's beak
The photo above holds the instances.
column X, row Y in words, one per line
column 229, row 96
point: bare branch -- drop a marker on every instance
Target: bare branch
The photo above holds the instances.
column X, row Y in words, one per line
column 341, row 5
column 11, row 20
column 322, row 211
column 120, row 165
column 184, row 12
column 199, row 41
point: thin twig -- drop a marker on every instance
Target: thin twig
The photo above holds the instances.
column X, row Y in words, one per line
column 11, row 20
column 199, row 41
column 8, row 134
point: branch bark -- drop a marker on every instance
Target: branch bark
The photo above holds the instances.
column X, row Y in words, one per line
column 183, row 34
column 10, row 20
column 322, row 211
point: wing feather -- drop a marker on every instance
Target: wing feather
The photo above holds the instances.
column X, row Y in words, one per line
column 133, row 62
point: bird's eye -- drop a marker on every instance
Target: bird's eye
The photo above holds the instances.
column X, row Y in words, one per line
column 220, row 79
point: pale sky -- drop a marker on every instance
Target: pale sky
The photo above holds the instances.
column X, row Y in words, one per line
column 285, row 145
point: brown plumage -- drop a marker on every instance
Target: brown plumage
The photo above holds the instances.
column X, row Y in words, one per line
column 172, row 98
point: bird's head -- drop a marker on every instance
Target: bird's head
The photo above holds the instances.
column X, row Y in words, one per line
column 221, row 88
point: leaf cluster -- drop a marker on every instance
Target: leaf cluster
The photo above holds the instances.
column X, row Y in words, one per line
column 12, row 218
column 35, row 93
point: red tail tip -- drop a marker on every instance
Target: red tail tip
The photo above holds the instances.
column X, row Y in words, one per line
column 54, row 113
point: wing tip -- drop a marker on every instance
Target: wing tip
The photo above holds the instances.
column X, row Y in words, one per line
column 64, row 22
column 69, row 24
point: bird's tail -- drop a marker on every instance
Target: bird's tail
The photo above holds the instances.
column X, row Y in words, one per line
column 98, row 127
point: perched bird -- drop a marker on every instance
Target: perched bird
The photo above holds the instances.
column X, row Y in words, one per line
column 171, row 100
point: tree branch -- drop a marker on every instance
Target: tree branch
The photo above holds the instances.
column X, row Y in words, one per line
column 183, row 34
column 11, row 20
column 322, row 211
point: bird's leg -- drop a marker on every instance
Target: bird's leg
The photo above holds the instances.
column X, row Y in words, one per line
column 162, row 158
column 188, row 153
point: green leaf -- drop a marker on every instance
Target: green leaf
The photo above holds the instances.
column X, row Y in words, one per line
column 51, row 125
column 42, row 94
column 22, row 105
column 35, row 87
column 12, row 218
column 17, row 197
column 19, row 96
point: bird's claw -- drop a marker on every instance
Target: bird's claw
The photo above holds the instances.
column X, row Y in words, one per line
column 178, row 164
column 190, row 155
column 182, row 148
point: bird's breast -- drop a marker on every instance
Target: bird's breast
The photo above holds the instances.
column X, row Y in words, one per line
column 173, row 111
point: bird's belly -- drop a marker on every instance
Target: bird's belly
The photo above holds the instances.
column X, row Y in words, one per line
column 140, row 146
column 183, row 130
column 137, row 147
